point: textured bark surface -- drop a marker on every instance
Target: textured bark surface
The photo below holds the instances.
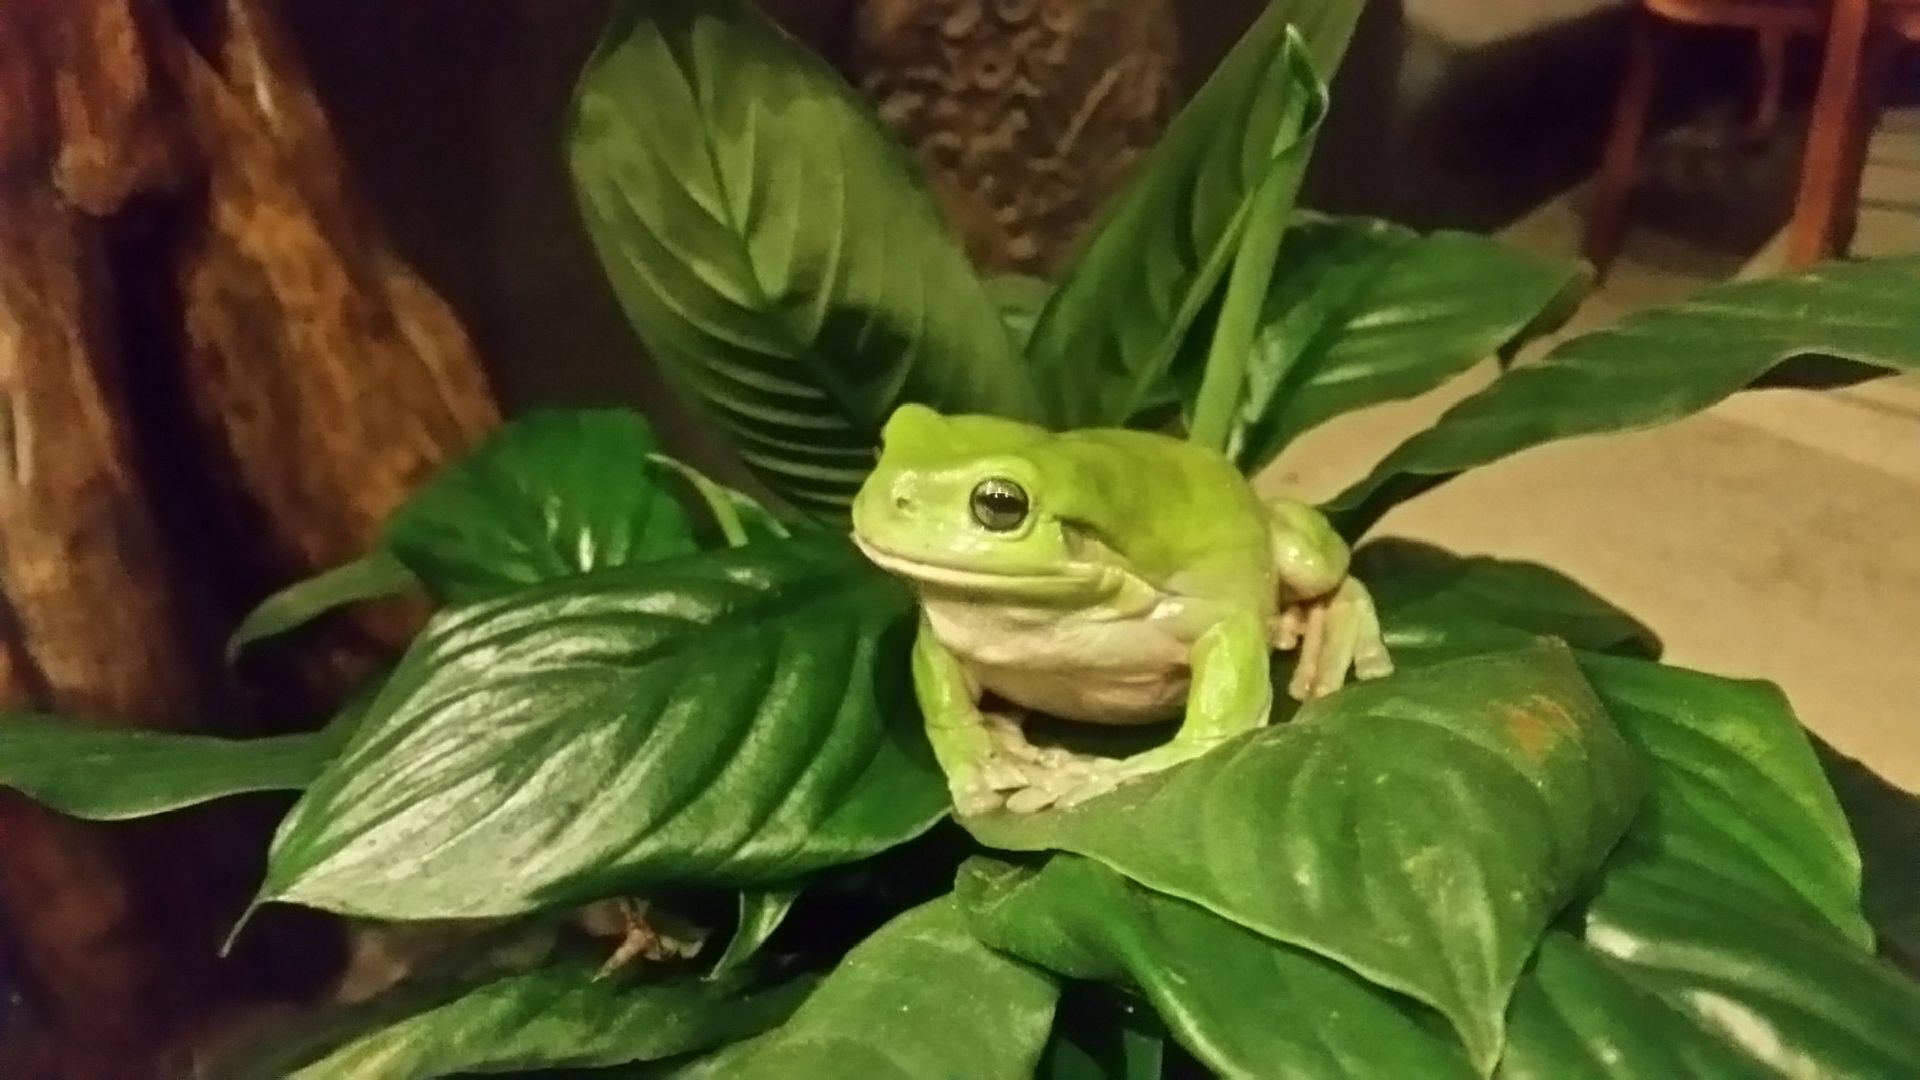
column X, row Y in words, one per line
column 1025, row 114
column 214, row 378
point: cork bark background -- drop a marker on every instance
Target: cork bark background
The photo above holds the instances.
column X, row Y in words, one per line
column 214, row 378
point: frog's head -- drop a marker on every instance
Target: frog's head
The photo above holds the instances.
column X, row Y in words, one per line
column 969, row 505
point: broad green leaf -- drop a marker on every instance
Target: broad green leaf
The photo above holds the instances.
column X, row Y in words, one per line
column 773, row 246
column 1735, row 791
column 1362, row 311
column 555, row 1016
column 1421, row 829
column 1427, row 596
column 1243, row 1004
column 370, row 577
column 550, row 495
column 91, row 771
column 1658, row 366
column 1580, row 1013
column 1784, row 990
column 728, row 719
column 1098, row 1034
column 920, row 998
column 1885, row 822
column 1230, row 160
column 761, row 913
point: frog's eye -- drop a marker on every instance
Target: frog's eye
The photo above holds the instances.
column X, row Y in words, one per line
column 999, row 504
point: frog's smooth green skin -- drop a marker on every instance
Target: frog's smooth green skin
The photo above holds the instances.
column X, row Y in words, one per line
column 1103, row 576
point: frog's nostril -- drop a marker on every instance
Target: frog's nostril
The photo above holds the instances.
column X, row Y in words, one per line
column 901, row 501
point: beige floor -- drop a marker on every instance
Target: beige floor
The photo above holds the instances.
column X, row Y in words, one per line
column 1775, row 536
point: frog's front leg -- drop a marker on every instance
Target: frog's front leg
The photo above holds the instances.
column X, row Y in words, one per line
column 1334, row 634
column 1231, row 693
column 1324, row 611
column 983, row 757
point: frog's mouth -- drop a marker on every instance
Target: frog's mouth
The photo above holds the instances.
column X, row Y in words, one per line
column 1080, row 580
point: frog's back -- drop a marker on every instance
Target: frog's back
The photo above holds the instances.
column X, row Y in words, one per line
column 1175, row 510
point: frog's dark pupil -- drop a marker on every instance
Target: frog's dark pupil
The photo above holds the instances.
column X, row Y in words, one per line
column 999, row 505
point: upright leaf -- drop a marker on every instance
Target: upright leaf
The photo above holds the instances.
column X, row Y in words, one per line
column 1243, row 1004
column 1658, row 366
column 920, row 998
column 1233, row 155
column 1362, row 311
column 1421, row 830
column 772, row 246
column 736, row 718
column 111, row 774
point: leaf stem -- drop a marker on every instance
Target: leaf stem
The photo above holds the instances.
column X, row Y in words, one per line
column 1223, row 382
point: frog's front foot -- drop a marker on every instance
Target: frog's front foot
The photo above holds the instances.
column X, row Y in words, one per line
column 1335, row 634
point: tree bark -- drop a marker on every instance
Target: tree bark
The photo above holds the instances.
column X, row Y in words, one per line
column 214, row 378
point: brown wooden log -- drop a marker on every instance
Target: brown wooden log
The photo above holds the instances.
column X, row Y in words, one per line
column 214, row 378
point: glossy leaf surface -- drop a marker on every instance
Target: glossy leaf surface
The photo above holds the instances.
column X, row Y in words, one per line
column 555, row 1016
column 1655, row 367
column 550, row 495
column 921, row 997
column 1239, row 1002
column 772, row 246
column 736, row 718
column 1434, row 823
column 1362, row 311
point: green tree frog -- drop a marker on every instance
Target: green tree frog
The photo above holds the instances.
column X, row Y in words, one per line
column 1102, row 576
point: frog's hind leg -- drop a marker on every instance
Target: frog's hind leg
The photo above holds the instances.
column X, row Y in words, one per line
column 1334, row 634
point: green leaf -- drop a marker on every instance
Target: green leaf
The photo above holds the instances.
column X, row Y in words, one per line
column 1725, row 937
column 556, row 1016
column 773, row 247
column 1581, row 1013
column 111, row 774
column 1019, row 298
column 1100, row 1035
column 1886, row 824
column 761, row 913
column 1167, row 241
column 1428, row 598
column 1655, row 367
column 1362, row 311
column 550, row 495
column 372, row 576
column 738, row 517
column 1430, row 825
column 920, row 998
column 729, row 719
column 1243, row 1004
column 1735, row 791
column 1786, row 991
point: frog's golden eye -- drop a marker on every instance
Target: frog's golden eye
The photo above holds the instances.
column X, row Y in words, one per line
column 999, row 504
